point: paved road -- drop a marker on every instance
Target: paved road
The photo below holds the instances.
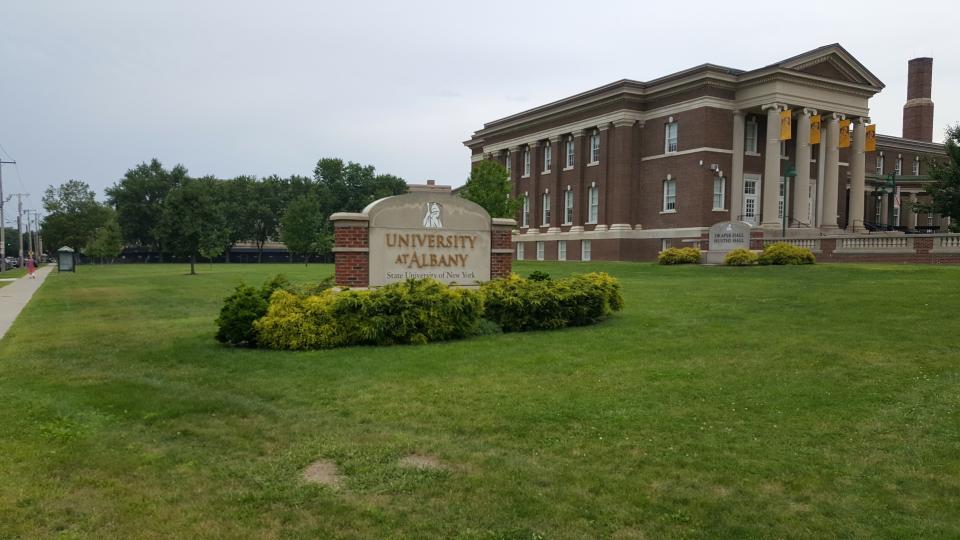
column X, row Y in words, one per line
column 15, row 296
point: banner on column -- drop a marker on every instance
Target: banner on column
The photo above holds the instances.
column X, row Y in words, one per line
column 870, row 141
column 844, row 134
column 785, row 116
column 896, row 198
column 815, row 129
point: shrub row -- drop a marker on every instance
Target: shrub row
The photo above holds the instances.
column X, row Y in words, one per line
column 279, row 316
column 780, row 253
column 687, row 255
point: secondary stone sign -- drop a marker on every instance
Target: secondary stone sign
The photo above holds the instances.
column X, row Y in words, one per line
column 420, row 235
column 725, row 237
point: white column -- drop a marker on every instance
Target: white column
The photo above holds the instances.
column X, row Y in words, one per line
column 771, row 168
column 913, row 214
column 831, row 172
column 857, row 175
column 801, row 184
column 736, row 173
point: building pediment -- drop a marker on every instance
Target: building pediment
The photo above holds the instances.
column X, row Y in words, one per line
column 832, row 62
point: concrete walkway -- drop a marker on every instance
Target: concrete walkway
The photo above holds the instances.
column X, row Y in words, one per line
column 15, row 296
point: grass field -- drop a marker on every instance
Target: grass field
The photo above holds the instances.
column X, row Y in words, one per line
column 12, row 273
column 806, row 402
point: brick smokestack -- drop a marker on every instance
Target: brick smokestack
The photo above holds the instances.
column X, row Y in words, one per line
column 918, row 110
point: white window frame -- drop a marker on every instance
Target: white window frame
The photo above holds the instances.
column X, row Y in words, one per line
column 506, row 163
column 526, row 162
column 879, row 210
column 520, row 253
column 916, row 166
column 547, row 158
column 545, row 208
column 880, row 164
column 540, row 250
column 780, row 201
column 896, row 216
column 751, row 134
column 561, row 250
column 568, row 207
column 570, row 154
column 719, row 193
column 669, row 196
column 586, row 250
column 898, row 166
column 594, row 147
column 670, row 139
column 593, row 205
column 525, row 215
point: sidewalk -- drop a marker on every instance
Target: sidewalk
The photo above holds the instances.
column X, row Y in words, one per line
column 15, row 296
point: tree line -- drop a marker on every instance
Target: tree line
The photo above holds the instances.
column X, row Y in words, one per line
column 168, row 212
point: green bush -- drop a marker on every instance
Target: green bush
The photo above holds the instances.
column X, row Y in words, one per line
column 247, row 304
column 740, row 257
column 784, row 253
column 537, row 275
column 687, row 255
column 415, row 311
column 517, row 304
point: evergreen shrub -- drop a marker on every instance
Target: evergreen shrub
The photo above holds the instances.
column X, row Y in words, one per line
column 247, row 304
column 687, row 255
column 784, row 253
column 740, row 257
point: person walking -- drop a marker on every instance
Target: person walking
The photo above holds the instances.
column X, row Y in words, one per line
column 31, row 268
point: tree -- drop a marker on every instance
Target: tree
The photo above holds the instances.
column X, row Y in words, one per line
column 106, row 241
column 945, row 189
column 303, row 228
column 73, row 215
column 193, row 222
column 139, row 201
column 488, row 186
column 265, row 210
column 351, row 187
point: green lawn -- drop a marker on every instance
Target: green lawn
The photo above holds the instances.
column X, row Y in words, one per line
column 806, row 402
column 12, row 273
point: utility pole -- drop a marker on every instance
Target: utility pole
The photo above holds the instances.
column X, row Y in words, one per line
column 3, row 223
column 20, row 197
column 29, row 235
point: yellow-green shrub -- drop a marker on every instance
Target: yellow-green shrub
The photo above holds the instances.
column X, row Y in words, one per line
column 784, row 253
column 414, row 311
column 687, row 255
column 517, row 304
column 740, row 257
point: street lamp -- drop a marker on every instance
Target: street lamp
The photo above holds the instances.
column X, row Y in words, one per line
column 892, row 183
column 787, row 176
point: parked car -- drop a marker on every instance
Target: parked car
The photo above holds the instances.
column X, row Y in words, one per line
column 12, row 262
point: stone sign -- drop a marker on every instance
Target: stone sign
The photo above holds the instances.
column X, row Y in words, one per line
column 419, row 235
column 729, row 235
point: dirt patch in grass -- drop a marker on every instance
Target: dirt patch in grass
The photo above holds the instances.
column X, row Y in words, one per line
column 422, row 461
column 323, row 471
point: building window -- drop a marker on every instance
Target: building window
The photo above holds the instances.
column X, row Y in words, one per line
column 546, row 209
column 595, row 147
column 896, row 216
column 540, row 250
column 670, row 137
column 880, row 163
column 669, row 195
column 780, row 201
column 879, row 208
column 562, row 250
column 593, row 196
column 719, row 192
column 506, row 163
column 916, row 166
column 526, row 162
column 585, row 248
column 519, row 251
column 525, row 218
column 547, row 157
column 569, row 153
column 568, row 207
column 898, row 166
column 930, row 220
column 750, row 145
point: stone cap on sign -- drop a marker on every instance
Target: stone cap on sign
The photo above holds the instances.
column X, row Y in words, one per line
column 504, row 222
column 349, row 219
column 416, row 209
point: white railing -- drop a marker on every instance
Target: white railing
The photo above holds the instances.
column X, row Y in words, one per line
column 949, row 242
column 875, row 242
column 813, row 244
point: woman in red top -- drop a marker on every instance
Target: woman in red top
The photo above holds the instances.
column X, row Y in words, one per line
column 31, row 267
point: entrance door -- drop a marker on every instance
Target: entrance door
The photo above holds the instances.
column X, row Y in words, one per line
column 751, row 199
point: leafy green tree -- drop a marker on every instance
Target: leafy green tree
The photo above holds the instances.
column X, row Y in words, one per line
column 193, row 222
column 488, row 186
column 73, row 215
column 303, row 228
column 106, row 241
column 11, row 242
column 139, row 201
column 945, row 189
column 265, row 209
column 351, row 187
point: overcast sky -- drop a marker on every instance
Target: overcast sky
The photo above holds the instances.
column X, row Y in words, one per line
column 90, row 89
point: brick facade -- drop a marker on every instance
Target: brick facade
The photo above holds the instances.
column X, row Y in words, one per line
column 351, row 255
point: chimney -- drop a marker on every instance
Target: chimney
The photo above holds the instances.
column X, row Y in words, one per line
column 918, row 110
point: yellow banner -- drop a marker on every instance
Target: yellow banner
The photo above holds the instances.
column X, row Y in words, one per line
column 844, row 134
column 785, row 134
column 870, row 142
column 815, row 129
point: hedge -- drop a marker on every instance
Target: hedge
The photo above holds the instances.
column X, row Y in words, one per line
column 248, row 304
column 784, row 253
column 740, row 257
column 687, row 255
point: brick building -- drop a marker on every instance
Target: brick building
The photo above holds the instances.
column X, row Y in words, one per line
column 624, row 170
